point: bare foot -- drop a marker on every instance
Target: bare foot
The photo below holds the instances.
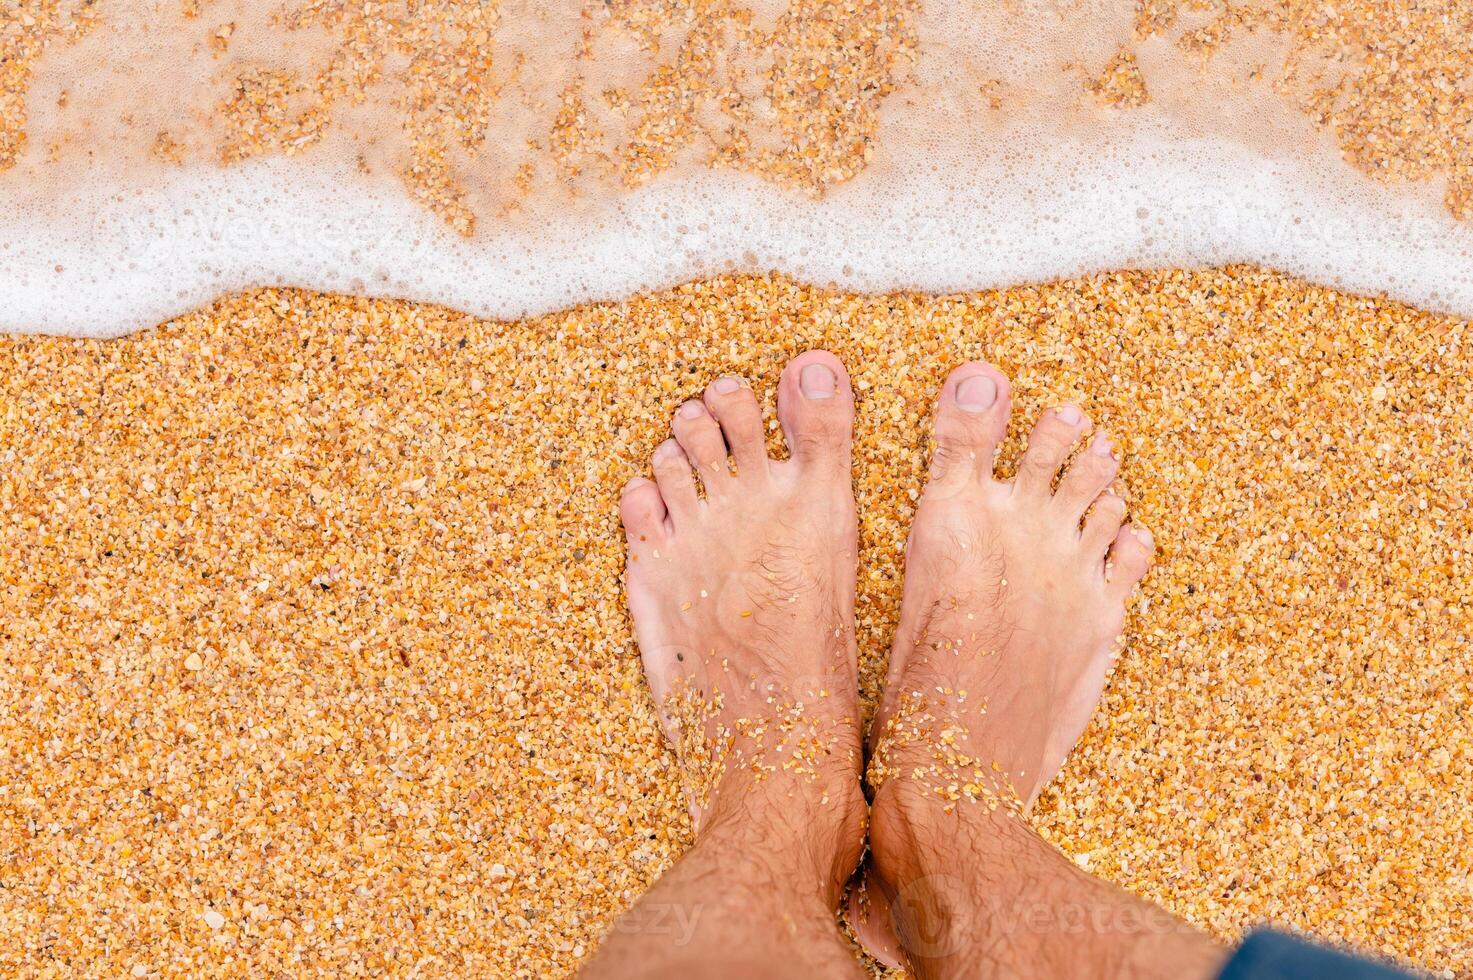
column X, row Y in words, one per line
column 1009, row 619
column 743, row 606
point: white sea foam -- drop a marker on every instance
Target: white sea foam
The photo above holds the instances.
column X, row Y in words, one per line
column 946, row 206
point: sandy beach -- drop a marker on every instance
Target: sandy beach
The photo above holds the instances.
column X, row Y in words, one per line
column 316, row 656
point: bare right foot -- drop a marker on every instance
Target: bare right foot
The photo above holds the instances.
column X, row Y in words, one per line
column 1011, row 609
column 1014, row 598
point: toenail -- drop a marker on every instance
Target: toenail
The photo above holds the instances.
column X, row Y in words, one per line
column 667, row 448
column 976, row 394
column 1142, row 535
column 691, row 410
column 1101, row 446
column 725, row 386
column 1070, row 414
column 817, row 381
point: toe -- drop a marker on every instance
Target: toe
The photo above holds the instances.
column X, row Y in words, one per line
column 1089, row 474
column 1049, row 445
column 971, row 419
column 731, row 401
column 1101, row 526
column 676, row 481
column 699, row 435
column 1130, row 556
column 642, row 510
column 816, row 406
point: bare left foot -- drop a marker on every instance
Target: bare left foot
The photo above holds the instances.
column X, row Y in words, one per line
column 743, row 606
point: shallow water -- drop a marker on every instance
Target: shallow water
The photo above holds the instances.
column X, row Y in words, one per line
column 518, row 158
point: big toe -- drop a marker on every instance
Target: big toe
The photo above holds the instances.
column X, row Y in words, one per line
column 815, row 404
column 971, row 419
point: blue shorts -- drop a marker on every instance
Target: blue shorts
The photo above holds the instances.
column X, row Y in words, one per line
column 1268, row 955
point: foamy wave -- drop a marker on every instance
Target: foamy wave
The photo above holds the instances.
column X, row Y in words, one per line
column 115, row 260
column 951, row 194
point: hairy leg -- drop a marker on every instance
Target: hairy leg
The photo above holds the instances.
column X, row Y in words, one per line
column 1014, row 599
column 743, row 606
column 756, row 896
column 978, row 893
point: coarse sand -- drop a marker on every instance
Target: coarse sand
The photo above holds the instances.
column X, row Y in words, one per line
column 316, row 660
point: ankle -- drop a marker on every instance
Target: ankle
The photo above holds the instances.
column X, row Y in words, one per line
column 1014, row 902
column 788, row 833
column 925, row 863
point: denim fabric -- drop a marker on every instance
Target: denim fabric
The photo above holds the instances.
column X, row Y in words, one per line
column 1269, row 955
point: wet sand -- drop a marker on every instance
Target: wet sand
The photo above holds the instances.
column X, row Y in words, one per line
column 788, row 90
column 316, row 656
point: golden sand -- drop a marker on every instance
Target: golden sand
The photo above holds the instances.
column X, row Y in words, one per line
column 316, row 656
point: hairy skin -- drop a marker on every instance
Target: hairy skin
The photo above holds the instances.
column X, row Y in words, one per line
column 1014, row 599
column 743, row 605
column 756, row 896
column 1016, row 906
